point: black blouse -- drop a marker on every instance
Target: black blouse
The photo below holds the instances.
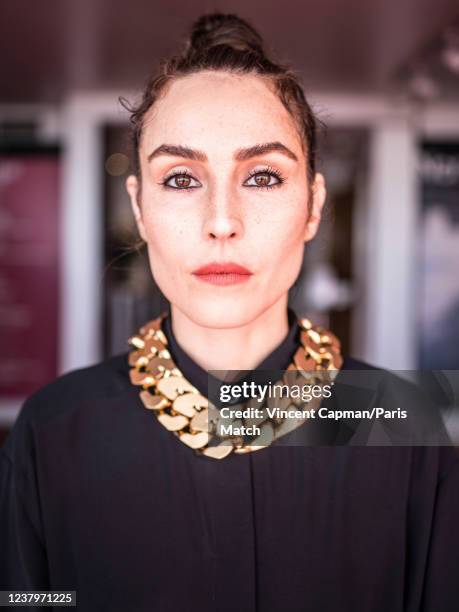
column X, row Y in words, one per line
column 98, row 497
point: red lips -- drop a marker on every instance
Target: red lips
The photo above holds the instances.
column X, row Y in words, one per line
column 222, row 268
column 223, row 274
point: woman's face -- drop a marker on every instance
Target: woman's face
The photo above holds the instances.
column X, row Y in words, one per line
column 223, row 181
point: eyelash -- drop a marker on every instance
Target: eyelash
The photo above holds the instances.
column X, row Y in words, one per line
column 175, row 175
column 268, row 170
column 271, row 172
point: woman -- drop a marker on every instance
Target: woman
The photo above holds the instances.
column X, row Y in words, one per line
column 115, row 485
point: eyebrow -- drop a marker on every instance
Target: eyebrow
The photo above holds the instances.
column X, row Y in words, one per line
column 240, row 154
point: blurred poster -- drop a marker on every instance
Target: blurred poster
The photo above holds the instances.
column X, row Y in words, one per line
column 29, row 189
column 439, row 245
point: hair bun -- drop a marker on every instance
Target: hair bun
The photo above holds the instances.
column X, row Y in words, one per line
column 224, row 29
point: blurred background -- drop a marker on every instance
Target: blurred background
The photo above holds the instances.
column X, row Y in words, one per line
column 383, row 271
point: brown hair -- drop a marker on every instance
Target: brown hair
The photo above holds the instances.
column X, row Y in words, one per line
column 228, row 43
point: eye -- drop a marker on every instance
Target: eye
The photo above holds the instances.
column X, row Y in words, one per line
column 266, row 179
column 181, row 180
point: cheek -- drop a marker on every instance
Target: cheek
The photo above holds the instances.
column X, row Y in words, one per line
column 170, row 240
column 164, row 258
column 280, row 228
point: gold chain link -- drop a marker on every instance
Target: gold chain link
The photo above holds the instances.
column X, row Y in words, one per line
column 181, row 409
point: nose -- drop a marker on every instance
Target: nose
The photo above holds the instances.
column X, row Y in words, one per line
column 222, row 219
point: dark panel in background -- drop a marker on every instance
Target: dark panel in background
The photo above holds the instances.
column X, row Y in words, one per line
column 439, row 256
column 29, row 284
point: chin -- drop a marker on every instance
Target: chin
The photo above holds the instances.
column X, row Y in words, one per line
column 222, row 313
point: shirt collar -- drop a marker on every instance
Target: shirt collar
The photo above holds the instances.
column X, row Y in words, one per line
column 278, row 359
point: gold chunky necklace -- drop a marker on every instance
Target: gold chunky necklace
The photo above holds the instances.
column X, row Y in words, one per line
column 181, row 409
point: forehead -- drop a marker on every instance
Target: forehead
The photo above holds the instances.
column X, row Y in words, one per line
column 219, row 111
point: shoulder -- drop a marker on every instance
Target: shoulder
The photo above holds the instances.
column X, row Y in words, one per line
column 383, row 380
column 89, row 385
column 108, row 377
column 388, row 385
column 434, row 449
column 386, row 382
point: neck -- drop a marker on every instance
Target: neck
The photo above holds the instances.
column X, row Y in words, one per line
column 245, row 346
